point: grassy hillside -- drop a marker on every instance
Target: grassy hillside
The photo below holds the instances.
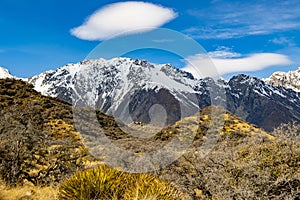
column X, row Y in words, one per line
column 40, row 151
column 244, row 163
column 38, row 139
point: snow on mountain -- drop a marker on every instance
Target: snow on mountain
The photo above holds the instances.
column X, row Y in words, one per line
column 4, row 73
column 108, row 84
column 289, row 79
column 262, row 104
column 112, row 85
column 114, row 71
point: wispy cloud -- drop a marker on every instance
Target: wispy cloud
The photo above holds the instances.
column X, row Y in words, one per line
column 227, row 62
column 163, row 40
column 2, row 50
column 123, row 18
column 224, row 52
column 226, row 19
column 283, row 41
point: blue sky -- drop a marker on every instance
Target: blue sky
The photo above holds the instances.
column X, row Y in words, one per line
column 252, row 37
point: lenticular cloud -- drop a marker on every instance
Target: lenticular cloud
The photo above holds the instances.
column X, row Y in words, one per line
column 250, row 63
column 123, row 18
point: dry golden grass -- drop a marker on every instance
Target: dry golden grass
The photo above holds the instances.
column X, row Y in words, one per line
column 235, row 124
column 203, row 121
column 61, row 129
column 28, row 192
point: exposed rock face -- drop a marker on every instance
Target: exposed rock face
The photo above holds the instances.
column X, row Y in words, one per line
column 123, row 87
column 128, row 89
column 261, row 104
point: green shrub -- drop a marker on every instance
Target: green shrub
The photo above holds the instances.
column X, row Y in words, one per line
column 108, row 183
column 148, row 187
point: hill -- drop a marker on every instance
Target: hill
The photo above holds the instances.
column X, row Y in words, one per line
column 241, row 162
column 227, row 159
column 39, row 143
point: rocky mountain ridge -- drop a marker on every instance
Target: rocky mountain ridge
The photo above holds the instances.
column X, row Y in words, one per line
column 290, row 79
column 129, row 89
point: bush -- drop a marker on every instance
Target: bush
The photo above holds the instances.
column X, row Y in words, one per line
column 108, row 183
column 29, row 150
column 255, row 166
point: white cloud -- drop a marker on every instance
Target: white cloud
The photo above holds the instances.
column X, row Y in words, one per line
column 253, row 62
column 123, row 18
column 283, row 41
column 223, row 52
column 225, row 19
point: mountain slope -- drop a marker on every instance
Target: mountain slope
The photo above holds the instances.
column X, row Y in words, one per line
column 110, row 85
column 229, row 124
column 244, row 162
column 39, row 144
column 121, row 83
column 289, row 79
column 264, row 105
column 38, row 141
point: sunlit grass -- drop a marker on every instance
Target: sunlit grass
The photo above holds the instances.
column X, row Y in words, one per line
column 108, row 183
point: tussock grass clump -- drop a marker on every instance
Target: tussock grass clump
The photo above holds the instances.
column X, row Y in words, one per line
column 108, row 183
column 148, row 187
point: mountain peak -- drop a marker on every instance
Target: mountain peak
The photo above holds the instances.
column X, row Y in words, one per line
column 244, row 79
column 109, row 84
column 4, row 73
column 290, row 79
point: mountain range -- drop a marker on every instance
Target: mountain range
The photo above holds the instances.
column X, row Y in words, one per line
column 128, row 89
column 40, row 145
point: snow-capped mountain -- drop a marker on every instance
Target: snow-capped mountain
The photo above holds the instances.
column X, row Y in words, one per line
column 112, row 85
column 112, row 73
column 289, row 79
column 264, row 105
column 4, row 73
